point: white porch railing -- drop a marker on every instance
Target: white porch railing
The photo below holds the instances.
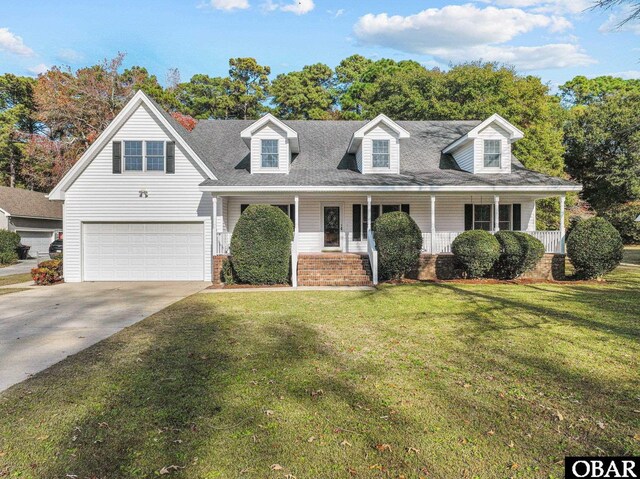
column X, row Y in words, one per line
column 373, row 256
column 294, row 261
column 223, row 242
column 552, row 240
column 441, row 241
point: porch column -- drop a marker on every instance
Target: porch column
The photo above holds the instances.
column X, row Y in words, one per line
column 368, row 215
column 296, row 201
column 496, row 213
column 214, row 226
column 433, row 223
column 562, row 231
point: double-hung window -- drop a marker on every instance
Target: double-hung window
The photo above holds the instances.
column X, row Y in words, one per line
column 492, row 153
column 381, row 153
column 504, row 219
column 269, row 153
column 155, row 155
column 482, row 217
column 133, row 156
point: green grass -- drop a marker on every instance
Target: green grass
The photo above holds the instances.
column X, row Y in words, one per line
column 15, row 279
column 428, row 380
column 631, row 254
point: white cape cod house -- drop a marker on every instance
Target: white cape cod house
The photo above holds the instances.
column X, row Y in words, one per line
column 152, row 201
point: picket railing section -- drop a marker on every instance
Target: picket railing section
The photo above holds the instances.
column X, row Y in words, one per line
column 441, row 241
column 223, row 242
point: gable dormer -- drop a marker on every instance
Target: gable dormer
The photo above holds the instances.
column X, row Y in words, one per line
column 487, row 147
column 377, row 146
column 271, row 144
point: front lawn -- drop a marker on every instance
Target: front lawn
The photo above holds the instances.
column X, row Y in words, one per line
column 15, row 279
column 631, row 254
column 428, row 380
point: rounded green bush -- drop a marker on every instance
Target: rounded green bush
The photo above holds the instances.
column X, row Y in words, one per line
column 399, row 242
column 519, row 253
column 476, row 251
column 261, row 245
column 8, row 257
column 594, row 248
column 9, row 241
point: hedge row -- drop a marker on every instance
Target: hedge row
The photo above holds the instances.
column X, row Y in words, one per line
column 9, row 242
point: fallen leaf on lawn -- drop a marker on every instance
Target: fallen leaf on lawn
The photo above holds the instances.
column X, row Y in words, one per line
column 559, row 416
column 515, row 466
column 276, row 467
column 345, row 443
column 637, row 437
column 269, row 412
column 601, row 425
column 103, row 425
column 413, row 449
column 383, row 447
column 352, row 472
column 311, row 439
column 168, row 469
column 511, row 445
column 43, row 438
column 490, row 433
column 466, row 385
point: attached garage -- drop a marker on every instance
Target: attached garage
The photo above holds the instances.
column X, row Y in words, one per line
column 38, row 241
column 143, row 252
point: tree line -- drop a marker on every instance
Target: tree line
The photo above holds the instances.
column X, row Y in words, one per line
column 588, row 130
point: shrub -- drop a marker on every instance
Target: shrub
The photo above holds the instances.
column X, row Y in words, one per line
column 8, row 257
column 399, row 242
column 228, row 276
column 476, row 251
column 623, row 218
column 9, row 241
column 48, row 272
column 519, row 253
column 594, row 248
column 261, row 245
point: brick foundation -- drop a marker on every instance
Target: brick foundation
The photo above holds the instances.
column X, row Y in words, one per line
column 442, row 266
column 217, row 270
column 334, row 269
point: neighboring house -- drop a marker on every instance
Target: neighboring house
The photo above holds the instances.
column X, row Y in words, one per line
column 139, row 203
column 37, row 220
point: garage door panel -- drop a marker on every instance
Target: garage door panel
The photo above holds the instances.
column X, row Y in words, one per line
column 143, row 251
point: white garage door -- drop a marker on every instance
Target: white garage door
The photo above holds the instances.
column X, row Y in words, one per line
column 39, row 241
column 143, row 251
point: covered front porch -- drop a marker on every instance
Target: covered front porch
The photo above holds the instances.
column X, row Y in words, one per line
column 341, row 223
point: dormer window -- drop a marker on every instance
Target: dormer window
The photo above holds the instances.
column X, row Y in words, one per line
column 381, row 157
column 492, row 153
column 269, row 153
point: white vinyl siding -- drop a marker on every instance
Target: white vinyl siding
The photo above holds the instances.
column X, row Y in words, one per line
column 270, row 132
column 380, row 132
column 98, row 194
column 464, row 157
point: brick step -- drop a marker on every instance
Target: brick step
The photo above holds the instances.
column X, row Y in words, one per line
column 335, row 283
column 329, row 269
column 334, row 278
column 339, row 269
column 333, row 261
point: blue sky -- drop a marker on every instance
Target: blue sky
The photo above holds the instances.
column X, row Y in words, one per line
column 553, row 39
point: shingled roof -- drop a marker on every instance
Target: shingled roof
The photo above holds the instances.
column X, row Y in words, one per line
column 324, row 161
column 28, row 204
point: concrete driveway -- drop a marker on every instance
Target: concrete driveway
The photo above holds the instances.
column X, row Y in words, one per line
column 20, row 267
column 42, row 326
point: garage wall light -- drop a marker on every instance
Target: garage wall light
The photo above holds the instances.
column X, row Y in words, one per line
column 144, row 194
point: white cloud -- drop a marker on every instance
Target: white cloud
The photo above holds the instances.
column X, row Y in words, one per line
column 457, row 33
column 299, row 7
column 557, row 7
column 12, row 43
column 69, row 55
column 627, row 75
column 542, row 57
column 229, row 5
column 453, row 25
column 614, row 23
column 336, row 13
column 38, row 69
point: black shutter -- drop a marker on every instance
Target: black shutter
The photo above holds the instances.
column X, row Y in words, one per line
column 517, row 217
column 405, row 209
column 292, row 213
column 375, row 213
column 116, row 148
column 242, row 208
column 468, row 217
column 171, row 156
column 357, row 222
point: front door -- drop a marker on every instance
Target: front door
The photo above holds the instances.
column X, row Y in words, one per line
column 331, row 223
